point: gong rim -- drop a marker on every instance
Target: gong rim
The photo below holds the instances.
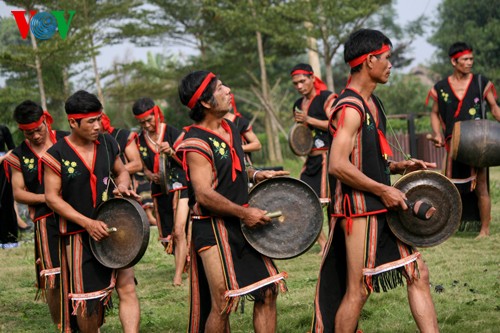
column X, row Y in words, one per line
column 296, row 231
column 438, row 191
column 125, row 247
column 300, row 139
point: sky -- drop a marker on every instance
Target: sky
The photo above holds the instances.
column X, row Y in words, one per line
column 407, row 10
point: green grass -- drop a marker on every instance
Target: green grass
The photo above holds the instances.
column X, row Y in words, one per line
column 468, row 269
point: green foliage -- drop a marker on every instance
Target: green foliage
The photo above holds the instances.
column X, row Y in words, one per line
column 477, row 23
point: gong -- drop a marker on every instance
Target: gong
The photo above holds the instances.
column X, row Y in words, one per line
column 300, row 139
column 164, row 168
column 296, row 224
column 431, row 189
column 128, row 228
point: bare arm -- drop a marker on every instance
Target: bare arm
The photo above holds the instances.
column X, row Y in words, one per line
column 21, row 194
column 342, row 168
column 495, row 109
column 134, row 161
column 122, row 179
column 436, row 126
column 200, row 173
column 53, row 185
column 301, row 117
column 252, row 142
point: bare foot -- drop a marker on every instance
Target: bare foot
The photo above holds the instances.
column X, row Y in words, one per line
column 177, row 281
column 482, row 235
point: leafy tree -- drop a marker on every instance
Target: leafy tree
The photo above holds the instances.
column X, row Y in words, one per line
column 478, row 24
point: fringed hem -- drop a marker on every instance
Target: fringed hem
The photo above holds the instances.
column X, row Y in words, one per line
column 80, row 300
column 390, row 275
column 233, row 296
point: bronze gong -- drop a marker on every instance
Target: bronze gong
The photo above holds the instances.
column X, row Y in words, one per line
column 300, row 139
column 128, row 228
column 297, row 225
column 476, row 142
column 164, row 173
column 433, row 190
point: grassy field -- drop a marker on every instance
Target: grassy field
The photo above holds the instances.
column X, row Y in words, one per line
column 467, row 269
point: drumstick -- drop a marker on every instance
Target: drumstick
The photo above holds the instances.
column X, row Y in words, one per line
column 277, row 213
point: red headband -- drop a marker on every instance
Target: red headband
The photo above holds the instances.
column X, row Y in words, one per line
column 158, row 115
column 318, row 84
column 84, row 115
column 44, row 117
column 359, row 60
column 200, row 90
column 459, row 54
column 106, row 123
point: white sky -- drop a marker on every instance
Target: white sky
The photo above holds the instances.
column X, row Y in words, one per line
column 406, row 10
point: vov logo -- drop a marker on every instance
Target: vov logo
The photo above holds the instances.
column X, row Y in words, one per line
column 43, row 25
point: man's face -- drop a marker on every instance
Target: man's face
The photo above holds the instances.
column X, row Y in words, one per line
column 303, row 83
column 37, row 136
column 88, row 129
column 148, row 124
column 222, row 99
column 381, row 70
column 464, row 63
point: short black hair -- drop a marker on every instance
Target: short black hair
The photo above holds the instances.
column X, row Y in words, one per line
column 459, row 47
column 82, row 102
column 302, row 66
column 27, row 112
column 187, row 88
column 361, row 42
column 142, row 105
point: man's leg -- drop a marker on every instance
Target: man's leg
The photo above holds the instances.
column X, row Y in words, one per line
column 217, row 322
column 54, row 303
column 419, row 297
column 89, row 323
column 264, row 314
column 179, row 234
column 483, row 201
column 355, row 297
column 129, row 310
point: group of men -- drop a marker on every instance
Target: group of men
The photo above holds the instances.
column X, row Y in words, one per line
column 209, row 182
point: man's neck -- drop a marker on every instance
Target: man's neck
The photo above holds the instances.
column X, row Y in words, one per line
column 311, row 94
column 79, row 141
column 363, row 85
column 460, row 76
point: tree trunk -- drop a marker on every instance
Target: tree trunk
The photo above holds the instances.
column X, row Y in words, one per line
column 65, row 82
column 275, row 155
column 100, row 95
column 312, row 47
column 39, row 76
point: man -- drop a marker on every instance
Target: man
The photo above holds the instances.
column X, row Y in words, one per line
column 77, row 181
column 129, row 308
column 460, row 98
column 27, row 185
column 171, row 209
column 249, row 140
column 224, row 266
column 362, row 254
column 8, row 216
column 314, row 109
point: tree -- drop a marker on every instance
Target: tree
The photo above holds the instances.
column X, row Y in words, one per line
column 477, row 23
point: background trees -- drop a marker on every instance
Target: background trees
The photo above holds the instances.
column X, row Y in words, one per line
column 250, row 44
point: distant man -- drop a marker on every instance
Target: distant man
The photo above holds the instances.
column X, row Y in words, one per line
column 314, row 109
column 27, row 185
column 459, row 97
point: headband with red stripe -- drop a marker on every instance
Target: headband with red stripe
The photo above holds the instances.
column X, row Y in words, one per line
column 359, row 60
column 318, row 84
column 200, row 90
column 459, row 54
column 84, row 115
column 45, row 116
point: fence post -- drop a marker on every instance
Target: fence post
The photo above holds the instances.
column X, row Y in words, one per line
column 413, row 138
